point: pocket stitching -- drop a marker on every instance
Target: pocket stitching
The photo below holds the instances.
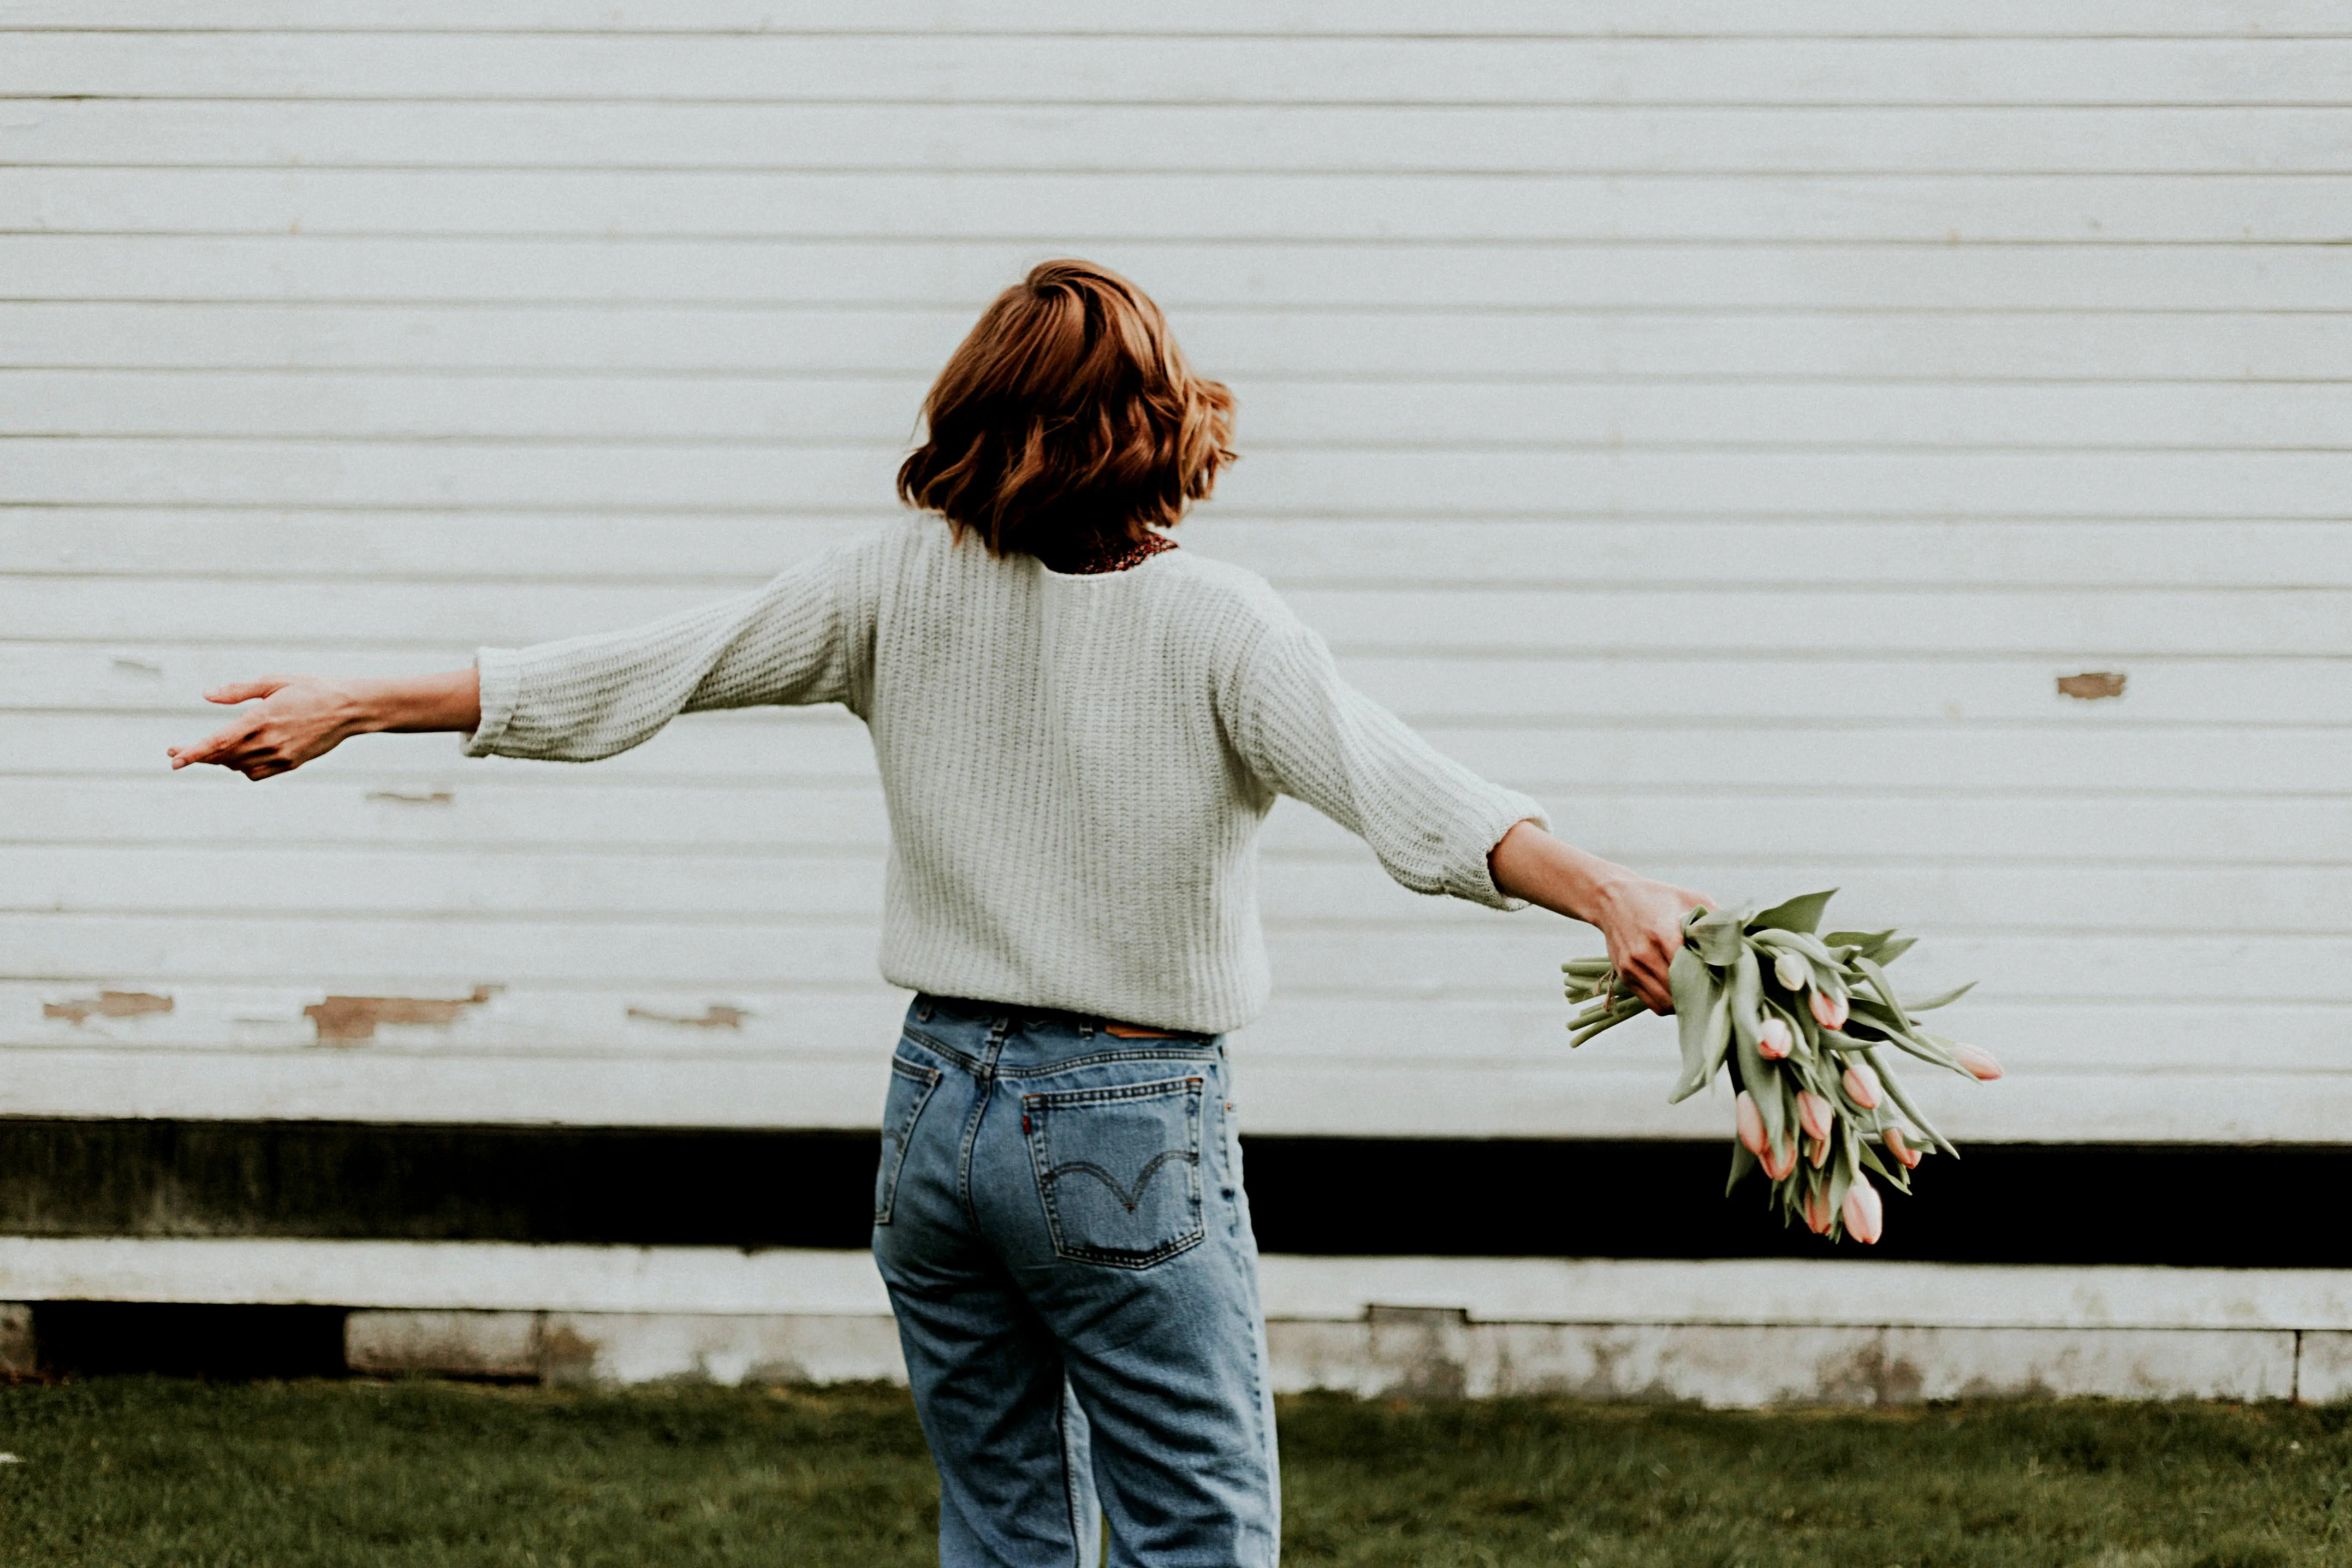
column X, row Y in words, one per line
column 1048, row 1177
column 886, row 1199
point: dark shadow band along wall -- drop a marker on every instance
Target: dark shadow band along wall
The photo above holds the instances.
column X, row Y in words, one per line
column 2214, row 1205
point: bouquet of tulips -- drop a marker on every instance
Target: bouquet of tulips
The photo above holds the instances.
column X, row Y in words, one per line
column 1806, row 1023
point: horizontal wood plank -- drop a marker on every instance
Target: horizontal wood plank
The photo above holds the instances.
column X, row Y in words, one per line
column 1371, row 958
column 1429, row 684
column 1774, row 754
column 1484, row 138
column 808, row 818
column 1564, row 1100
column 1720, row 623
column 1434, row 481
column 1195, row 281
column 1059, row 68
column 1298, row 416
column 1470, row 207
column 656, row 1023
column 1503, row 18
column 1635, row 345
column 721, row 552
column 835, row 871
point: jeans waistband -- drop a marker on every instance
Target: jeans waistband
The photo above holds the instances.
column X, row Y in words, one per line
column 1016, row 1016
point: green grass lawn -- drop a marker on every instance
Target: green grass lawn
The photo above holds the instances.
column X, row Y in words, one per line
column 122, row 1472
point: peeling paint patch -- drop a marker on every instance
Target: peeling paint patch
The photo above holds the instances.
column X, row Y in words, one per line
column 714, row 1016
column 412, row 796
column 2092, row 685
column 347, row 1020
column 106, row 1004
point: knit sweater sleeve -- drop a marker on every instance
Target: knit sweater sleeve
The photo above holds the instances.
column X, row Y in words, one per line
column 1307, row 733
column 794, row 641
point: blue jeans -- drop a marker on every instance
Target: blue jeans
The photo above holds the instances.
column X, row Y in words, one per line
column 1059, row 1217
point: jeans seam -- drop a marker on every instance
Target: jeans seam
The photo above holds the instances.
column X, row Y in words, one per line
column 934, row 1044
column 887, row 1200
column 1069, row 1480
column 984, row 1076
column 1107, row 1058
column 1154, row 1091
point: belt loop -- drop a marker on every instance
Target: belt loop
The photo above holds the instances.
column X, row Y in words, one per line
column 923, row 1009
column 1085, row 1028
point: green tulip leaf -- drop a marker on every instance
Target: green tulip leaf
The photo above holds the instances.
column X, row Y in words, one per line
column 1757, row 1076
column 1804, row 944
column 1747, row 995
column 1944, row 999
column 1742, row 1162
column 1693, row 991
column 1718, row 1034
column 1904, row 1102
column 1885, row 989
column 1802, row 913
column 1895, row 1175
column 1716, row 936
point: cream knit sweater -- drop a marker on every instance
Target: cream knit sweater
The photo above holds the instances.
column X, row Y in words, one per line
column 1075, row 767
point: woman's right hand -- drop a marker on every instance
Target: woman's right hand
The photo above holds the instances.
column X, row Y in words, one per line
column 301, row 717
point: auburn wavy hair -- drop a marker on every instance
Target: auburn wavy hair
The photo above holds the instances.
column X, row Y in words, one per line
column 1068, row 420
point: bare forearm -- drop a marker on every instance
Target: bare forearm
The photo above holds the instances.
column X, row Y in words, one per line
column 1531, row 864
column 451, row 700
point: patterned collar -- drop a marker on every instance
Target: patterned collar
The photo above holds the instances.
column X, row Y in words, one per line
column 1112, row 555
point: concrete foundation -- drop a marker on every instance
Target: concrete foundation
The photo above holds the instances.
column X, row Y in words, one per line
column 1423, row 1353
column 1726, row 1333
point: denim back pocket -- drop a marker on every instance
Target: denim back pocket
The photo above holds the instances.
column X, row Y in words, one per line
column 1118, row 1169
column 911, row 1089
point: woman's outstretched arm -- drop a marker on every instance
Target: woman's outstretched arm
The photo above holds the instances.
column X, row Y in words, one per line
column 306, row 716
column 1642, row 919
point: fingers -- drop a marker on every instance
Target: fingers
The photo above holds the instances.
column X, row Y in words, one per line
column 240, row 748
column 246, row 690
column 1643, row 969
column 216, row 747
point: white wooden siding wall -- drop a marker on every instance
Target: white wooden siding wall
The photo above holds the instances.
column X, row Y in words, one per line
column 1726, row 422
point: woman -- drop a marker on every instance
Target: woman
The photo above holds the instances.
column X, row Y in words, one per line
column 1079, row 728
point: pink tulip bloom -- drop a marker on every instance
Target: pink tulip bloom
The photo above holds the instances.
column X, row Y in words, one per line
column 1751, row 1122
column 1817, row 1211
column 1815, row 1112
column 1978, row 1061
column 1862, row 1085
column 1794, row 972
column 1774, row 1041
column 1900, row 1149
column 1830, row 1010
column 1865, row 1216
column 1778, row 1159
column 1816, row 1151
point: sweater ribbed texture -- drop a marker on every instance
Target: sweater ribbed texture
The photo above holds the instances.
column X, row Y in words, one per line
column 1075, row 767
